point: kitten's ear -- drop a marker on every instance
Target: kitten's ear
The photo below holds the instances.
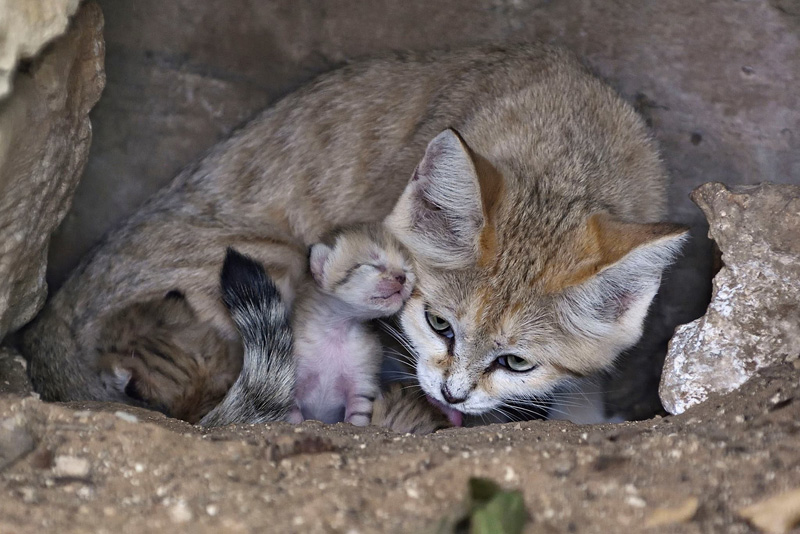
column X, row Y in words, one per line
column 618, row 277
column 439, row 217
column 121, row 382
column 316, row 261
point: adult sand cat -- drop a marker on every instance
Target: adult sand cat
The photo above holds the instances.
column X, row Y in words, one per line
column 531, row 214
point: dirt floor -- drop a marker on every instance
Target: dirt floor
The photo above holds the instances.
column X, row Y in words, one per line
column 107, row 468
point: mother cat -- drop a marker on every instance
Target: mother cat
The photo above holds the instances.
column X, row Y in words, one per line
column 531, row 211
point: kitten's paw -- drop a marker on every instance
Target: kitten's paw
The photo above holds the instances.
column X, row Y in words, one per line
column 295, row 416
column 359, row 419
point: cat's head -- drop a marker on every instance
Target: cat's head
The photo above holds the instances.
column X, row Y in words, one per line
column 518, row 289
column 364, row 267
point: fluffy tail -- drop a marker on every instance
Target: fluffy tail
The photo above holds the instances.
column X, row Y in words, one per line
column 264, row 390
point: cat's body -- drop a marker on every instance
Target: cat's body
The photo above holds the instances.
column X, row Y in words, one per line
column 401, row 407
column 527, row 227
column 361, row 273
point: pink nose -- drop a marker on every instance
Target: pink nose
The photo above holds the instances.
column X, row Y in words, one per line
column 390, row 287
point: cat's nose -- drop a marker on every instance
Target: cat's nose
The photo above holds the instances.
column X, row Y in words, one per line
column 449, row 397
column 401, row 278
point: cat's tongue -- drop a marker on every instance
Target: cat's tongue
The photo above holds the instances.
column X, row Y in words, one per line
column 455, row 417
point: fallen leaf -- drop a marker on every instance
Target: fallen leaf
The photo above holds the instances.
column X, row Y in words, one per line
column 670, row 516
column 776, row 515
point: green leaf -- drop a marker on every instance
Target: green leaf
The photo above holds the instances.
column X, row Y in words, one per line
column 503, row 514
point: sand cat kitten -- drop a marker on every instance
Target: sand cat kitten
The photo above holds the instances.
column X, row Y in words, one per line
column 531, row 215
column 142, row 356
column 400, row 408
column 361, row 273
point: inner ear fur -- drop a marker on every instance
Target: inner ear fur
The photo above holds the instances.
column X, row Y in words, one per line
column 615, row 273
column 606, row 241
column 444, row 214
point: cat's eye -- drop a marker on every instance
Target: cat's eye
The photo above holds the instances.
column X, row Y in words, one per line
column 515, row 363
column 439, row 325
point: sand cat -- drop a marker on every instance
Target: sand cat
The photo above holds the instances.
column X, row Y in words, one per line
column 361, row 273
column 526, row 191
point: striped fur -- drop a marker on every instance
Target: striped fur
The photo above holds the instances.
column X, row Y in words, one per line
column 264, row 391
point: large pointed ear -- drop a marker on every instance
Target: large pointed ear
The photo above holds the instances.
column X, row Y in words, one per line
column 609, row 288
column 439, row 217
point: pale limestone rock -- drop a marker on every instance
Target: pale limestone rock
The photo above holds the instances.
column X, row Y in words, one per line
column 44, row 143
column 26, row 26
column 754, row 317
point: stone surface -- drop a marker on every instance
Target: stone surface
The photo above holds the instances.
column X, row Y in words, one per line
column 26, row 26
column 754, row 317
column 44, row 143
column 13, row 378
column 162, row 475
column 715, row 79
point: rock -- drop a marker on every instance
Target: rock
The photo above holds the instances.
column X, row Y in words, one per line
column 71, row 467
column 754, row 317
column 13, row 378
column 44, row 143
column 26, row 26
column 15, row 442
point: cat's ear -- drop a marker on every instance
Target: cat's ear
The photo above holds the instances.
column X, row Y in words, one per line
column 317, row 258
column 121, row 382
column 610, row 289
column 440, row 216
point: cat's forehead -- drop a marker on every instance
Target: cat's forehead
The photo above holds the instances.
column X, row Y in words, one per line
column 506, row 315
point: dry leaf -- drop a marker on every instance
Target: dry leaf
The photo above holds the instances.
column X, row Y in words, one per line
column 776, row 515
column 669, row 516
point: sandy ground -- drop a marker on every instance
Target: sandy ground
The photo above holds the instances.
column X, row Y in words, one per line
column 106, row 468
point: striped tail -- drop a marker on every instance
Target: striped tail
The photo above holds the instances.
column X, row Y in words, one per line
column 264, row 390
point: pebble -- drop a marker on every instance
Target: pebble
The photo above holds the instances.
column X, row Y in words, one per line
column 71, row 466
column 180, row 513
column 125, row 416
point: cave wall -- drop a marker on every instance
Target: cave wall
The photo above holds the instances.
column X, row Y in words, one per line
column 717, row 80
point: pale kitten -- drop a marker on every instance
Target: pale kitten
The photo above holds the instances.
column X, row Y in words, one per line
column 361, row 273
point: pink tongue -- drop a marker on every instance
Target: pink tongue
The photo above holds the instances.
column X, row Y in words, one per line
column 456, row 418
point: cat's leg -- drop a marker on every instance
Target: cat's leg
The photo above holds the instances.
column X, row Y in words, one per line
column 359, row 399
column 296, row 415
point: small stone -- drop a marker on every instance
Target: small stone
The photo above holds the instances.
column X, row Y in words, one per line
column 15, row 442
column 212, row 510
column 71, row 466
column 180, row 512
column 635, row 501
column 125, row 416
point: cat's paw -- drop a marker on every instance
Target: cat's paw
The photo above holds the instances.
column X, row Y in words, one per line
column 295, row 416
column 358, row 419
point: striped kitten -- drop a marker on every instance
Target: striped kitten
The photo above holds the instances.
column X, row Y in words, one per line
column 159, row 356
column 162, row 359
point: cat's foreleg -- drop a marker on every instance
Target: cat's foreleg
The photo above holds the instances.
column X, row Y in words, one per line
column 358, row 404
column 295, row 415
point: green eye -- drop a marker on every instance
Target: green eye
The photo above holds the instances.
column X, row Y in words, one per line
column 515, row 363
column 439, row 325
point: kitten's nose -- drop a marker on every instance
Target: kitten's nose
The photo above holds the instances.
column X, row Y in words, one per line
column 401, row 278
column 449, row 396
